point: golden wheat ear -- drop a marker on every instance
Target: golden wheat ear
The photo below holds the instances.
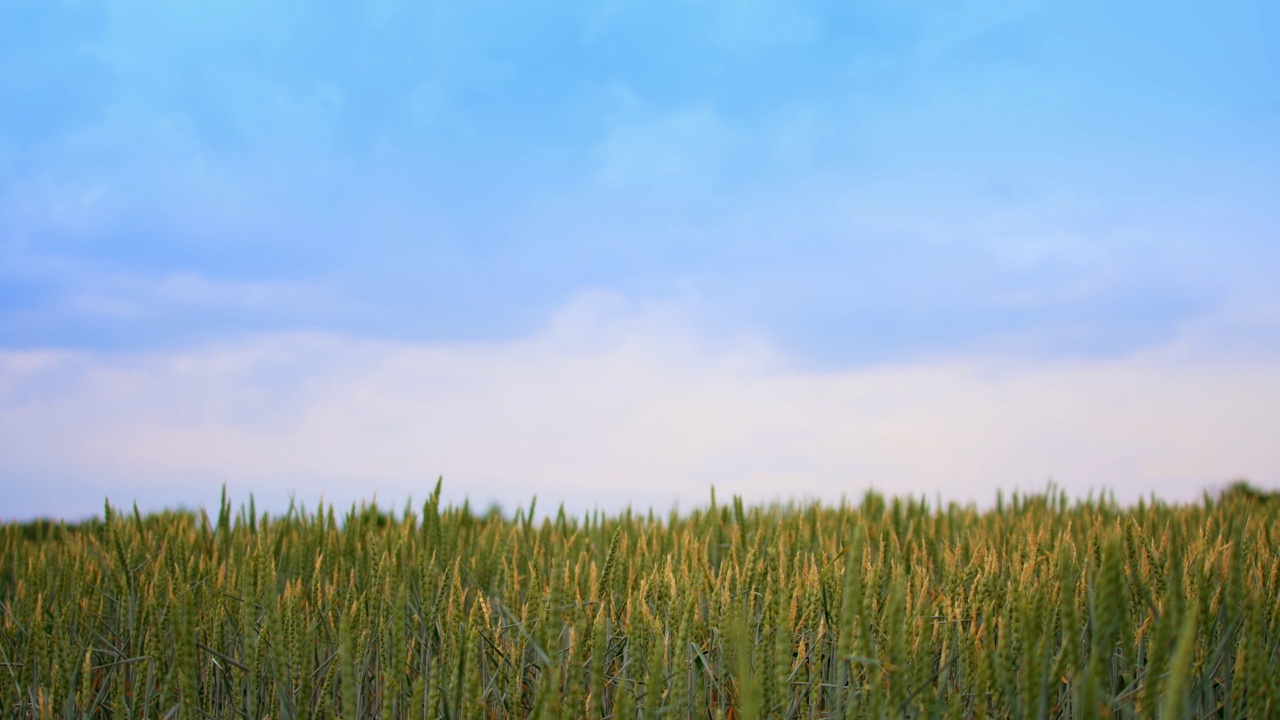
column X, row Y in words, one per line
column 1040, row 608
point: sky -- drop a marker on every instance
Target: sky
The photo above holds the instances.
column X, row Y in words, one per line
column 615, row 252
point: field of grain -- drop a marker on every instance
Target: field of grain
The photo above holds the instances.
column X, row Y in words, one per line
column 882, row 608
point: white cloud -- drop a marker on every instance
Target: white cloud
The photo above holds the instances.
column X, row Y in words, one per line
column 612, row 403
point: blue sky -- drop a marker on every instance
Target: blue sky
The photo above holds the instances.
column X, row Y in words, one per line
column 816, row 191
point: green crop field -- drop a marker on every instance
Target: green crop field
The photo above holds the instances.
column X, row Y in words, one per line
column 883, row 608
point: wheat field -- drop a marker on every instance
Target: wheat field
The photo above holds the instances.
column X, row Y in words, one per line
column 881, row 608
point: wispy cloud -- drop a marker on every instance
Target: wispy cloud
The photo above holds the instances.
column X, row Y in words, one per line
column 685, row 147
column 108, row 306
column 610, row 404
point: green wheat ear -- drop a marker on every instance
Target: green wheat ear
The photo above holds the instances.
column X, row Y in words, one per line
column 1176, row 687
column 347, row 661
column 1042, row 609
